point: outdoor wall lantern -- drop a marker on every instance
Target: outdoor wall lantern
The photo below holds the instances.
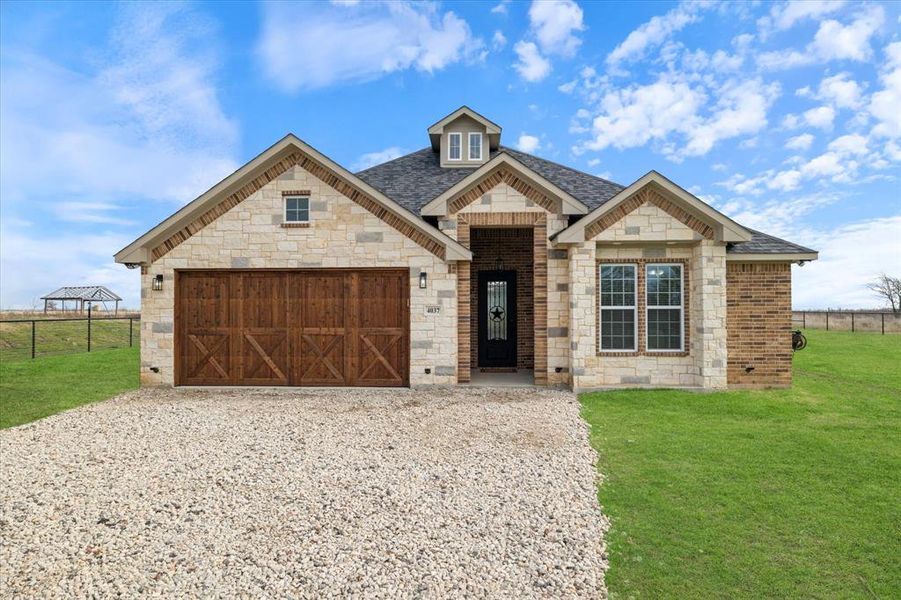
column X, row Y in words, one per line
column 158, row 283
column 423, row 280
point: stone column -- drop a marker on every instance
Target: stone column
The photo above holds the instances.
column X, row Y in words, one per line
column 708, row 314
column 582, row 323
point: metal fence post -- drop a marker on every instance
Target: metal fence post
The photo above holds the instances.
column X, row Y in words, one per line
column 883, row 323
column 827, row 320
column 852, row 322
column 89, row 327
column 804, row 320
column 130, row 332
column 33, row 327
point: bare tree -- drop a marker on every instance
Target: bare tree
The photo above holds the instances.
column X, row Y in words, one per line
column 888, row 288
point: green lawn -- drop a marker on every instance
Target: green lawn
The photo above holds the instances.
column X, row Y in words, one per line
column 776, row 493
column 31, row 389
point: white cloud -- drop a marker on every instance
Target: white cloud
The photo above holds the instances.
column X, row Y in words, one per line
column 531, row 65
column 833, row 41
column 799, row 142
column 858, row 252
column 840, row 90
column 498, row 40
column 501, row 7
column 594, row 162
column 528, row 143
column 820, row 117
column 371, row 159
column 786, row 15
column 851, row 144
column 636, row 115
column 653, row 33
column 568, row 87
column 553, row 22
column 359, row 43
column 884, row 103
column 89, row 212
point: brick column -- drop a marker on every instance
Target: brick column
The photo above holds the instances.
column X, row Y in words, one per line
column 539, row 274
column 582, row 322
column 463, row 306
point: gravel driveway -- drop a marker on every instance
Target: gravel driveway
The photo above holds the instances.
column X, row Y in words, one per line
column 400, row 493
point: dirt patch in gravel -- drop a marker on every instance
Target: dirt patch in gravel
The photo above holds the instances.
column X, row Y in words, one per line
column 399, row 493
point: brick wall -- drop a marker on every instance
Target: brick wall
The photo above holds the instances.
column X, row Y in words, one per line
column 514, row 246
column 758, row 324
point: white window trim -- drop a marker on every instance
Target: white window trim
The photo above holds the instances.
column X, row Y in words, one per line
column 449, row 136
column 473, row 134
column 634, row 308
column 285, row 208
column 681, row 307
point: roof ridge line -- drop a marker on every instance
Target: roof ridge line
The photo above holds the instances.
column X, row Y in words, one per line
column 559, row 164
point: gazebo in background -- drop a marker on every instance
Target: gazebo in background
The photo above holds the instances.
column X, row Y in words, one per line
column 82, row 295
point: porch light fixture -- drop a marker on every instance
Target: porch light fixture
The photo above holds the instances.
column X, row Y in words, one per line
column 423, row 280
column 158, row 283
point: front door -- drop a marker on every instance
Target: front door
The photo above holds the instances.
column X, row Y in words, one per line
column 497, row 318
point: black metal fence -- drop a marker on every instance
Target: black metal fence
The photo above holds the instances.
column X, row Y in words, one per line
column 23, row 339
column 847, row 320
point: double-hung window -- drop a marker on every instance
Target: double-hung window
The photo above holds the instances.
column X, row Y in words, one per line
column 475, row 146
column 663, row 288
column 618, row 301
column 297, row 209
column 455, row 146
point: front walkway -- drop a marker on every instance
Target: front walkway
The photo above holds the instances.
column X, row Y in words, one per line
column 402, row 493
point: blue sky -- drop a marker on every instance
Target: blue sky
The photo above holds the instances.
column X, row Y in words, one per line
column 785, row 116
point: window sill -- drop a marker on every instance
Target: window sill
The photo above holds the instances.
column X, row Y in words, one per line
column 654, row 353
column 295, row 225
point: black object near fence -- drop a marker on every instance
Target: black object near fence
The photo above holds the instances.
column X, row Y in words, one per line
column 22, row 339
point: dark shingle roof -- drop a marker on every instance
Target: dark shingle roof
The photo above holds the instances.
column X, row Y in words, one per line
column 762, row 243
column 417, row 178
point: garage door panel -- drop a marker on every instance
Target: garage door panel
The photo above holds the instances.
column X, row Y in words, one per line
column 264, row 355
column 322, row 359
column 329, row 327
column 207, row 357
column 380, row 358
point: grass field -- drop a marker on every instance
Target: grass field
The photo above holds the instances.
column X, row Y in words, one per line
column 32, row 389
column 778, row 493
column 62, row 337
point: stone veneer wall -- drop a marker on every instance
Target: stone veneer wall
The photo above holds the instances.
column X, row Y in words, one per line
column 514, row 247
column 663, row 238
column 759, row 324
column 342, row 235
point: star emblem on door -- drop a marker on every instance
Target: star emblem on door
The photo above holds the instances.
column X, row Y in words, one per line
column 497, row 313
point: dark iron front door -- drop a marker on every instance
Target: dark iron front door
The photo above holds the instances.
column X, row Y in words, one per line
column 497, row 318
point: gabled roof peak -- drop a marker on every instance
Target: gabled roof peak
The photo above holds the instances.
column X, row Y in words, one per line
column 490, row 126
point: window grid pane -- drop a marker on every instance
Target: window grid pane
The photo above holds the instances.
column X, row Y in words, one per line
column 297, row 210
column 475, row 147
column 664, row 307
column 618, row 307
column 453, row 148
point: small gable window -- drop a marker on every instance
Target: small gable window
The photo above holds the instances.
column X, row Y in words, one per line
column 297, row 209
column 454, row 146
column 475, row 146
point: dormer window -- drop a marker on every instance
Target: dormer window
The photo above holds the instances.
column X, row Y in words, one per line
column 475, row 146
column 455, row 146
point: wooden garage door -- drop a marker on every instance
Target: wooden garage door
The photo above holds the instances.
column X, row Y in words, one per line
column 332, row 328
